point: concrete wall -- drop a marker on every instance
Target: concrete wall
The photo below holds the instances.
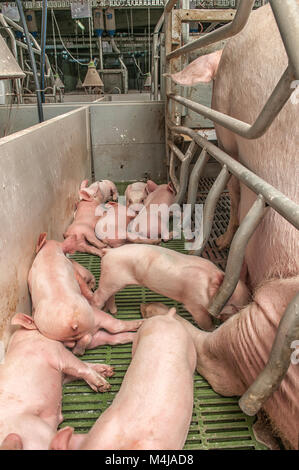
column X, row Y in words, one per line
column 40, row 172
column 128, row 140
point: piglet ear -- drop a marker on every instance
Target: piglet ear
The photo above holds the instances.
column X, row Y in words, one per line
column 84, row 184
column 62, row 438
column 12, row 442
column 170, row 188
column 85, row 196
column 26, row 321
column 42, row 239
column 150, row 186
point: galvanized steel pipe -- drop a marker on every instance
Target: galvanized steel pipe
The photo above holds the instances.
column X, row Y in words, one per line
column 195, row 176
column 184, row 173
column 281, row 203
column 274, row 105
column 210, row 206
column 279, row 361
column 287, row 18
column 236, row 256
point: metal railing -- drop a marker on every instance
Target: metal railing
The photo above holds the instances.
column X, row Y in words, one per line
column 18, row 47
column 287, row 17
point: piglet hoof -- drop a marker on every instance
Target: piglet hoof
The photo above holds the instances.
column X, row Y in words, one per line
column 102, row 369
column 97, row 382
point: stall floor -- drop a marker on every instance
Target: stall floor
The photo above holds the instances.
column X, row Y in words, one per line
column 217, row 422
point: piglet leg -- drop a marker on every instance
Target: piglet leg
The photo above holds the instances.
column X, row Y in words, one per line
column 112, row 325
column 72, row 366
column 102, row 369
column 85, row 290
column 102, row 337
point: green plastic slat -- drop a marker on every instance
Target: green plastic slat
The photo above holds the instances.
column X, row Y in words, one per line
column 217, row 422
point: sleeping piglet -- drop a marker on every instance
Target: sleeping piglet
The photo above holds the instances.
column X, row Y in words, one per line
column 153, row 408
column 60, row 311
column 31, row 379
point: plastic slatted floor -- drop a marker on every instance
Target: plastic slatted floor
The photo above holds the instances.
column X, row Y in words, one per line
column 217, row 422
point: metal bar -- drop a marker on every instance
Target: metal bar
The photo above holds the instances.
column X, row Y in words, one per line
column 217, row 16
column 210, row 206
column 279, row 361
column 176, row 151
column 195, row 177
column 287, row 18
column 172, row 174
column 32, row 59
column 24, row 46
column 167, row 83
column 43, row 48
column 169, row 5
column 227, row 31
column 236, row 256
column 274, row 105
column 281, row 203
column 15, row 53
column 184, row 173
column 155, row 57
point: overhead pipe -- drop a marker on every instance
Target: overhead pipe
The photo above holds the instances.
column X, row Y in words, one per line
column 123, row 65
column 155, row 57
column 32, row 60
column 43, row 48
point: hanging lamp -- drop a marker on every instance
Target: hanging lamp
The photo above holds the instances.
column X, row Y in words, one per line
column 92, row 79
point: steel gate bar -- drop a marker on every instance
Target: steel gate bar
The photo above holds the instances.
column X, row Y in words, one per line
column 277, row 366
column 236, row 256
column 287, row 18
column 274, row 105
column 195, row 176
column 184, row 173
column 210, row 206
column 277, row 200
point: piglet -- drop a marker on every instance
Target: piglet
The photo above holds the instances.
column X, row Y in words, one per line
column 153, row 408
column 81, row 230
column 85, row 279
column 111, row 228
column 187, row 279
column 60, row 311
column 136, row 193
column 31, row 379
column 151, row 222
